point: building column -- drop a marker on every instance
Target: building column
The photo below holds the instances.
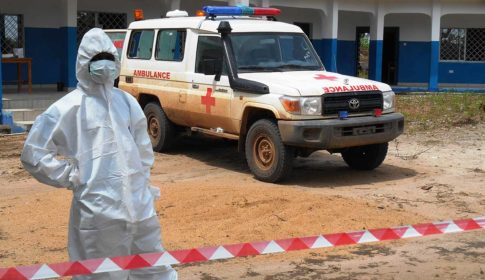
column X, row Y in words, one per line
column 68, row 33
column 376, row 46
column 330, row 36
column 172, row 4
column 238, row 2
column 433, row 84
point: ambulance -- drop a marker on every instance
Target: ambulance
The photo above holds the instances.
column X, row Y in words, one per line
column 237, row 73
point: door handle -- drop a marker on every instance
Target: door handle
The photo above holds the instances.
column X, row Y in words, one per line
column 195, row 86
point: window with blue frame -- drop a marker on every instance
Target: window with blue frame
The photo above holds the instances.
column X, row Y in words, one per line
column 170, row 45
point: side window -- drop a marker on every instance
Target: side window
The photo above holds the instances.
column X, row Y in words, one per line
column 208, row 47
column 170, row 45
column 141, row 43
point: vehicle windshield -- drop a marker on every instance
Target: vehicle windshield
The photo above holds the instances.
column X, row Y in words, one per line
column 274, row 52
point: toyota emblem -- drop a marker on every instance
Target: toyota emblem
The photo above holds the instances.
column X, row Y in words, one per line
column 354, row 103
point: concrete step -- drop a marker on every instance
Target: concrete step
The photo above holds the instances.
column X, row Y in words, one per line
column 27, row 103
column 23, row 114
column 27, row 125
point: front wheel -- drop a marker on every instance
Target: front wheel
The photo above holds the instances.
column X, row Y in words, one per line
column 365, row 157
column 268, row 158
column 160, row 129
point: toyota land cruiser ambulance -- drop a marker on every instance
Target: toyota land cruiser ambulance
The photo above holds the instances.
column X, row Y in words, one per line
column 236, row 73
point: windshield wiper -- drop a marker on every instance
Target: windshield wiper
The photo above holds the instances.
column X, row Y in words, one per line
column 259, row 68
column 297, row 66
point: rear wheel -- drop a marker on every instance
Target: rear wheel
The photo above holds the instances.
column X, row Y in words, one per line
column 268, row 158
column 160, row 129
column 365, row 157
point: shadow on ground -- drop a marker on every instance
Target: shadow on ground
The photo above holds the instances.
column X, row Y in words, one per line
column 321, row 169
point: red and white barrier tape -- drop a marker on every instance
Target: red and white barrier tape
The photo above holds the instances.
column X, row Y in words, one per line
column 94, row 266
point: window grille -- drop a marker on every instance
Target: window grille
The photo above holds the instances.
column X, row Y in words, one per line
column 88, row 20
column 461, row 44
column 475, row 44
column 12, row 32
column 112, row 21
column 85, row 21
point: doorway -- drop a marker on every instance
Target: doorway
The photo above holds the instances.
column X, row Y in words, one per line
column 362, row 41
column 390, row 55
column 306, row 27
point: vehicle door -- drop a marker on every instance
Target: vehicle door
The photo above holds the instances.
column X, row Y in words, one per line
column 209, row 101
column 136, row 59
column 170, row 64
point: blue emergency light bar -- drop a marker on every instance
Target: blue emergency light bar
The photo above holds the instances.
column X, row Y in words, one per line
column 240, row 11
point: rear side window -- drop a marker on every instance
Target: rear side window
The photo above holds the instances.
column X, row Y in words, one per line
column 207, row 47
column 170, row 45
column 141, row 44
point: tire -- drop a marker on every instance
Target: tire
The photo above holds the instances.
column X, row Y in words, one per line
column 268, row 158
column 365, row 157
column 160, row 129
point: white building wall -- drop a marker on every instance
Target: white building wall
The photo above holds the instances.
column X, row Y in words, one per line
column 348, row 23
column 463, row 7
column 193, row 6
column 151, row 8
column 407, row 6
column 412, row 27
column 463, row 21
column 45, row 13
column 357, row 6
column 312, row 16
column 308, row 4
column 50, row 13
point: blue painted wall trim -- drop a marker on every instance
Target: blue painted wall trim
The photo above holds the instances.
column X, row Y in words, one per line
column 398, row 89
column 462, row 72
column 1, row 89
column 347, row 58
column 69, row 54
column 43, row 45
column 375, row 60
column 327, row 50
column 434, row 66
column 53, row 52
column 414, row 61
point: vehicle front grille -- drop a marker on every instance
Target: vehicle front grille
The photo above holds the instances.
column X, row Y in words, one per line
column 332, row 103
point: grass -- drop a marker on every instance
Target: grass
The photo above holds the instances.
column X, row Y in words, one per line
column 442, row 110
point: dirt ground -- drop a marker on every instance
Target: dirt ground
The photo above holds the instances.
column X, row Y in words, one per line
column 209, row 198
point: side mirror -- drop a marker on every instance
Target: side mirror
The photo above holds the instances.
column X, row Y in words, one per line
column 212, row 66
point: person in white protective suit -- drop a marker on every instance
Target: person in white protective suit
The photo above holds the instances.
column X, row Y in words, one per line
column 94, row 141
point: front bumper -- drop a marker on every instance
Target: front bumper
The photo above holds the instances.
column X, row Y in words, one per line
column 337, row 134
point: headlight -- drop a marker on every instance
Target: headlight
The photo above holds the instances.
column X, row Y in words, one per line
column 311, row 106
column 389, row 101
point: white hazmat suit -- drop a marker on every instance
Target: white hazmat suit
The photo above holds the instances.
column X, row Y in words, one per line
column 94, row 141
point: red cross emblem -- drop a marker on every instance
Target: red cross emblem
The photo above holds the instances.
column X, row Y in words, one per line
column 208, row 100
column 324, row 77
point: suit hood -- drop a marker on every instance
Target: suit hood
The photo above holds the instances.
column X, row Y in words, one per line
column 95, row 41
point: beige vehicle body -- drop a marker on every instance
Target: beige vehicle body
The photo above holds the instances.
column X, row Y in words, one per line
column 164, row 62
